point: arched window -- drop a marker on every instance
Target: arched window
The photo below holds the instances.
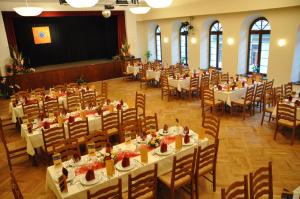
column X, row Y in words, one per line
column 258, row 46
column 183, row 41
column 158, row 43
column 215, row 45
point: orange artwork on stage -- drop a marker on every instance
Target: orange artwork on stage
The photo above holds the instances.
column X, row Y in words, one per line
column 41, row 35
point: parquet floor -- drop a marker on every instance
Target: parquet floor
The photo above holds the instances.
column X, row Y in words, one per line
column 244, row 146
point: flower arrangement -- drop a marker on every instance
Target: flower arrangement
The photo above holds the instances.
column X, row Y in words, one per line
column 154, row 142
column 188, row 25
column 125, row 48
column 109, row 155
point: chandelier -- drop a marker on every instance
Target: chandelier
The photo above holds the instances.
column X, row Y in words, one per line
column 139, row 10
column 28, row 10
column 82, row 3
column 159, row 3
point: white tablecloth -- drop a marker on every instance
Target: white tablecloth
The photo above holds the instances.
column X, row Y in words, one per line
column 180, row 83
column 228, row 96
column 151, row 74
column 133, row 69
column 78, row 191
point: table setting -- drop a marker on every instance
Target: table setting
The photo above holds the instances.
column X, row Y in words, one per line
column 293, row 100
column 128, row 157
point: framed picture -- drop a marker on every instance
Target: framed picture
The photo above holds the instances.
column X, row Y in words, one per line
column 41, row 35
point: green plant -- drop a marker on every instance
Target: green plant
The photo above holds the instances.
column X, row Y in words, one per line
column 255, row 69
column 148, row 54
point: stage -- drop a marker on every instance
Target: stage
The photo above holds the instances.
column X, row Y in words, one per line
column 90, row 71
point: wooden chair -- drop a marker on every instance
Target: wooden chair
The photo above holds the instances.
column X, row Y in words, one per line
column 238, row 189
column 110, row 192
column 22, row 94
column 182, row 174
column 14, row 149
column 269, row 86
column 111, row 124
column 129, row 114
column 211, row 124
column 78, row 130
column 31, row 111
column 51, row 105
column 100, row 101
column 286, row 115
column 50, row 137
column 72, row 86
column 278, row 93
column 209, row 102
column 194, row 87
column 224, row 77
column 204, row 84
column 258, row 97
column 140, row 104
column 143, row 185
column 99, row 138
column 268, row 107
column 206, row 163
column 67, row 148
column 15, row 187
column 149, row 124
column 104, row 89
column 288, row 89
column 166, row 89
column 73, row 102
column 244, row 103
column 214, row 79
column 59, row 87
column 88, row 98
column 261, row 183
column 38, row 91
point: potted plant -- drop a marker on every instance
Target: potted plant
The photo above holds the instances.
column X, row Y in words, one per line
column 148, row 54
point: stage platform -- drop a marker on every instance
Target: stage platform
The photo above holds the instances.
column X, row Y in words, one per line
column 48, row 76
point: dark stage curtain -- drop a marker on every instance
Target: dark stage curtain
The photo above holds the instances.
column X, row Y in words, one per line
column 75, row 36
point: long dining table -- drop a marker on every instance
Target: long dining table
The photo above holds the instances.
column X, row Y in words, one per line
column 78, row 189
column 35, row 140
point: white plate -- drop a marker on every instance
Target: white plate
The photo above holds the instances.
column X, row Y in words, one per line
column 88, row 183
column 188, row 144
column 168, row 152
column 120, row 168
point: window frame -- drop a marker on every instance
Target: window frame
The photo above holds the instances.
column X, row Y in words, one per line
column 158, row 34
column 185, row 34
column 260, row 34
column 218, row 33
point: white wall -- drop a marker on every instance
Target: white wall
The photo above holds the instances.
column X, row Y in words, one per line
column 284, row 24
column 296, row 62
column 4, row 50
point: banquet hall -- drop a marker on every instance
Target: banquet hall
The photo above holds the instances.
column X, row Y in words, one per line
column 149, row 99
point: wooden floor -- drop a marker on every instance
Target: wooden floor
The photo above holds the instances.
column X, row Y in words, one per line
column 244, row 146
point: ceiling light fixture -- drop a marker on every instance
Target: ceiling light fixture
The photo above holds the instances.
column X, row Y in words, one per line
column 28, row 11
column 106, row 13
column 159, row 3
column 82, row 3
column 140, row 10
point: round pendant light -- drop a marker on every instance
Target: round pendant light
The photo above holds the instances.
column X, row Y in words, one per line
column 82, row 3
column 159, row 3
column 28, row 11
column 139, row 10
column 106, row 13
